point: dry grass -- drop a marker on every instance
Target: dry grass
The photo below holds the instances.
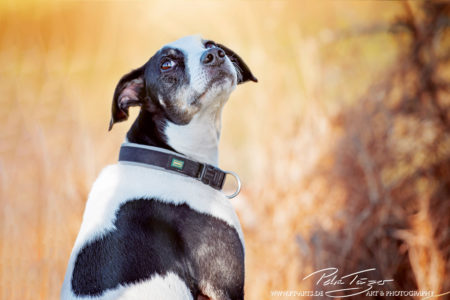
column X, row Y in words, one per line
column 291, row 136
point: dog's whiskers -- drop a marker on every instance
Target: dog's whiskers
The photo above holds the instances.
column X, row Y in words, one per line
column 238, row 71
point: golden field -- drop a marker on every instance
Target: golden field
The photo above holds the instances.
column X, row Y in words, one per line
column 343, row 145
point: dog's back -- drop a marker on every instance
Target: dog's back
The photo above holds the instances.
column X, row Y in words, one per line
column 145, row 229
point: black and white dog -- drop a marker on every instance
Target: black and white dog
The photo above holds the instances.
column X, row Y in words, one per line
column 147, row 231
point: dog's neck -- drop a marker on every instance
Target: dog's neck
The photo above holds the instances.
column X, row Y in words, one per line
column 148, row 129
column 198, row 140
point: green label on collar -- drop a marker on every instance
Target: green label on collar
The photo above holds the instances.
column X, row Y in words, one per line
column 177, row 164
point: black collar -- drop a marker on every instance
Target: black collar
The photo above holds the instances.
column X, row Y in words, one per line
column 171, row 161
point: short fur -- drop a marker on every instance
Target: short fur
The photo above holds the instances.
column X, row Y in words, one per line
column 151, row 234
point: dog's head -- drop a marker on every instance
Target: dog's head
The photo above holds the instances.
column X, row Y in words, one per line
column 181, row 80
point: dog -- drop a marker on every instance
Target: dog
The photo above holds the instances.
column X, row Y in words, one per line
column 156, row 225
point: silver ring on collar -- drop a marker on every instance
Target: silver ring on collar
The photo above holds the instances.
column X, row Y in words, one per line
column 238, row 180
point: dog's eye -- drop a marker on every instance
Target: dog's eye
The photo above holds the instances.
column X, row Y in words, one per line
column 209, row 45
column 168, row 64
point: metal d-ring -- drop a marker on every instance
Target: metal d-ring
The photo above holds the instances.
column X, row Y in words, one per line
column 238, row 180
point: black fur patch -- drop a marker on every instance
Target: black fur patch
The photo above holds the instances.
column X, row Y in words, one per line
column 155, row 237
column 148, row 129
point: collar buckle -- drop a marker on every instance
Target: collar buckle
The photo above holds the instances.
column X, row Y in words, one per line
column 212, row 176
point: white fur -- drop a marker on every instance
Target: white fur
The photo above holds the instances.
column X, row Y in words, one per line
column 193, row 48
column 169, row 287
column 119, row 183
column 199, row 139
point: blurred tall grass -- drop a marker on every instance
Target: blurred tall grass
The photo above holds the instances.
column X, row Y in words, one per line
column 59, row 63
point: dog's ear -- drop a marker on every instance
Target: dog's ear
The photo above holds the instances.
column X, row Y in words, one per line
column 244, row 73
column 129, row 92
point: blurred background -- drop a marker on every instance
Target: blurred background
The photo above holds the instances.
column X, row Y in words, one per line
column 343, row 145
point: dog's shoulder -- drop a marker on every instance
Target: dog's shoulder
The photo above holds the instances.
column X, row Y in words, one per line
column 120, row 183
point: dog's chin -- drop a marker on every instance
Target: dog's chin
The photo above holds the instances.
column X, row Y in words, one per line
column 217, row 87
column 225, row 83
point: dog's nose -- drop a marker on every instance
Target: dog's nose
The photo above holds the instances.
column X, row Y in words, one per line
column 213, row 57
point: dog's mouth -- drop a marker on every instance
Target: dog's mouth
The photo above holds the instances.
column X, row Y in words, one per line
column 221, row 78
